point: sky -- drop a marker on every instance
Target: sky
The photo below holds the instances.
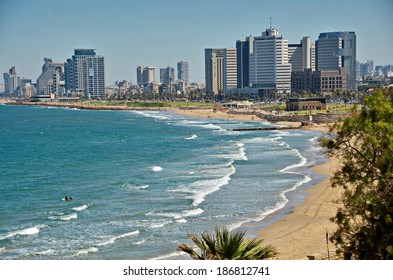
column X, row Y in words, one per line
column 160, row 33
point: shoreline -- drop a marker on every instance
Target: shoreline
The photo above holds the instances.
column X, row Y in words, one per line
column 297, row 231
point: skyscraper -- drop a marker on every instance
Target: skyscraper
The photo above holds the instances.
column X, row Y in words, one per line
column 220, row 69
column 302, row 56
column 230, row 68
column 167, row 75
column 11, row 81
column 214, row 72
column 270, row 69
column 335, row 50
column 145, row 75
column 243, row 50
column 182, row 71
column 85, row 74
column 51, row 79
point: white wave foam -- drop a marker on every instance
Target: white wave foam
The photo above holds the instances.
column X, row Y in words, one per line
column 156, row 168
column 181, row 221
column 80, row 208
column 168, row 256
column 67, row 217
column 201, row 188
column 192, row 137
column 26, row 231
column 193, row 212
column 214, row 127
column 242, row 152
column 114, row 238
column 165, row 214
column 160, row 225
column 139, row 242
column 201, row 124
column 134, row 187
column 302, row 162
column 152, row 114
column 86, row 251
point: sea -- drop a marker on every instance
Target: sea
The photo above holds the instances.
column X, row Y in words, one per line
column 141, row 181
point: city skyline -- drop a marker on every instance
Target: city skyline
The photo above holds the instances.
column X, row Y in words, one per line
column 129, row 34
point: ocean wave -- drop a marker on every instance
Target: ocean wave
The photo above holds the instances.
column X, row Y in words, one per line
column 210, row 126
column 27, row 231
column 160, row 225
column 114, row 238
column 169, row 256
column 135, row 187
column 80, row 208
column 64, row 217
column 86, row 251
column 193, row 212
column 192, row 137
column 156, row 168
column 302, row 162
column 202, row 188
column 152, row 114
column 177, row 216
column 139, row 242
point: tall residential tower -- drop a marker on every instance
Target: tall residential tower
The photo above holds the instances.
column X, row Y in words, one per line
column 85, row 74
column 183, row 72
column 220, row 70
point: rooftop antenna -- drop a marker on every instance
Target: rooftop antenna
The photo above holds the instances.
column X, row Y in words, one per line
column 270, row 22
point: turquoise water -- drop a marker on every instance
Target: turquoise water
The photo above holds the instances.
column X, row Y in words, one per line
column 141, row 181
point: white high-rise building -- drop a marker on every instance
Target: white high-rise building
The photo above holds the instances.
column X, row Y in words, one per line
column 230, row 68
column 270, row 69
column 220, row 69
column 302, row 56
column 51, row 79
column 85, row 74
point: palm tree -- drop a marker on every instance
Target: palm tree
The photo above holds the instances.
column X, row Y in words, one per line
column 225, row 245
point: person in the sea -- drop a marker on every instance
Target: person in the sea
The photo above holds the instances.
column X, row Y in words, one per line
column 66, row 198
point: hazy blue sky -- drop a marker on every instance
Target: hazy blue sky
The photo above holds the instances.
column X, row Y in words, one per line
column 161, row 32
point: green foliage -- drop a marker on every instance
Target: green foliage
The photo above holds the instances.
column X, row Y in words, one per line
column 225, row 245
column 364, row 144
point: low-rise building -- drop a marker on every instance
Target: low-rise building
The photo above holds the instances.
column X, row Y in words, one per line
column 300, row 104
column 321, row 81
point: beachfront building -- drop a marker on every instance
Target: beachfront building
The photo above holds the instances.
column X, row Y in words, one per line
column 302, row 56
column 270, row 70
column 145, row 75
column 85, row 74
column 335, row 50
column 322, row 82
column 11, row 82
column 300, row 104
column 220, row 70
column 243, row 50
column 230, row 68
column 51, row 80
column 167, row 75
column 183, row 72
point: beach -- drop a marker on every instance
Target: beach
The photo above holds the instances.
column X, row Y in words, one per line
column 302, row 233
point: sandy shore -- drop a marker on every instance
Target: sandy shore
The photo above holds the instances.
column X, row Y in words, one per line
column 303, row 232
column 209, row 113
